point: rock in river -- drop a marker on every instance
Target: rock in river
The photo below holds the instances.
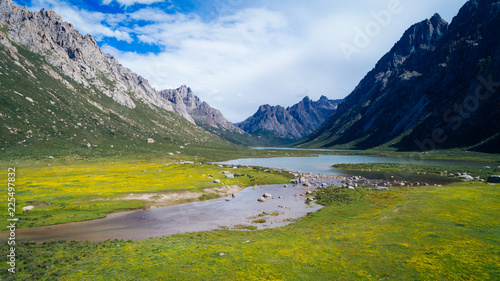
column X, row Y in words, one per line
column 494, row 178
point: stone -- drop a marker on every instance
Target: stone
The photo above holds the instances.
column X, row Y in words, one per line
column 261, row 199
column 351, row 188
column 466, row 177
column 216, row 181
column 28, row 208
column 494, row 179
column 230, row 176
column 267, row 195
column 381, row 188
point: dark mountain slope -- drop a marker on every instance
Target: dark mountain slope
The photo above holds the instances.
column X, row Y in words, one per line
column 422, row 94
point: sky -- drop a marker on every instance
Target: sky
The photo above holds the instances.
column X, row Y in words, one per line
column 240, row 54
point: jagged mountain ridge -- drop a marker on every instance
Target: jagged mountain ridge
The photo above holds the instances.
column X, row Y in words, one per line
column 80, row 58
column 207, row 117
column 412, row 99
column 279, row 125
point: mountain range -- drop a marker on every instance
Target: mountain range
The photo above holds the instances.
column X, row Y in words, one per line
column 276, row 125
column 47, row 61
column 437, row 88
column 59, row 92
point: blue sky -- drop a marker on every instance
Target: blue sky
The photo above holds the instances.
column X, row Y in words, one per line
column 240, row 54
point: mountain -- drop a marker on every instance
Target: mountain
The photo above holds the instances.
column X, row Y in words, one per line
column 276, row 125
column 80, row 58
column 61, row 94
column 206, row 117
column 435, row 89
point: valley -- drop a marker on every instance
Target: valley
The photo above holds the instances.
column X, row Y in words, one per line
column 108, row 178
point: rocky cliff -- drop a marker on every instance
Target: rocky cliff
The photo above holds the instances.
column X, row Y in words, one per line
column 60, row 94
column 80, row 58
column 205, row 116
column 279, row 125
column 434, row 89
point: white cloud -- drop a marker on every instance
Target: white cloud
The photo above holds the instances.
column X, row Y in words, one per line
column 131, row 2
column 276, row 52
column 252, row 53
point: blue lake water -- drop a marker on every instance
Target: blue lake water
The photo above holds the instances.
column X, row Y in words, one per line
column 322, row 164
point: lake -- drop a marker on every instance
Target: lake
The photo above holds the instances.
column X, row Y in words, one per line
column 322, row 164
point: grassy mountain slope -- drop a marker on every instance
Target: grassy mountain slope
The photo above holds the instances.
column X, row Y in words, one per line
column 44, row 113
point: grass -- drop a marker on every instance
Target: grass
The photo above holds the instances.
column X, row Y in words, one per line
column 69, row 191
column 426, row 233
column 447, row 171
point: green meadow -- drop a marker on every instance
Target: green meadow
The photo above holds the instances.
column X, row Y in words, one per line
column 422, row 233
column 69, row 191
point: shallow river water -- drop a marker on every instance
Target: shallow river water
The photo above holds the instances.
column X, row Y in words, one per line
column 190, row 217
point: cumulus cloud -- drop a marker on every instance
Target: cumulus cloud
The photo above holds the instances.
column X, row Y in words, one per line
column 237, row 55
column 273, row 52
column 131, row 2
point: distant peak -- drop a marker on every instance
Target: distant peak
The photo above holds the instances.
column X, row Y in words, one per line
column 436, row 19
column 323, row 97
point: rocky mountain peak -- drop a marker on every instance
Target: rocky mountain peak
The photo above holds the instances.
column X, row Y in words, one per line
column 421, row 86
column 186, row 103
column 421, row 36
column 279, row 125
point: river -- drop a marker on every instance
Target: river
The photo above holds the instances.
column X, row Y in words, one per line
column 285, row 206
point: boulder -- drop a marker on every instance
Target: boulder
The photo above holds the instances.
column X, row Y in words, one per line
column 494, row 179
column 261, row 199
column 28, row 208
column 380, row 188
column 267, row 195
column 466, row 177
column 216, row 181
column 230, row 176
column 351, row 188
